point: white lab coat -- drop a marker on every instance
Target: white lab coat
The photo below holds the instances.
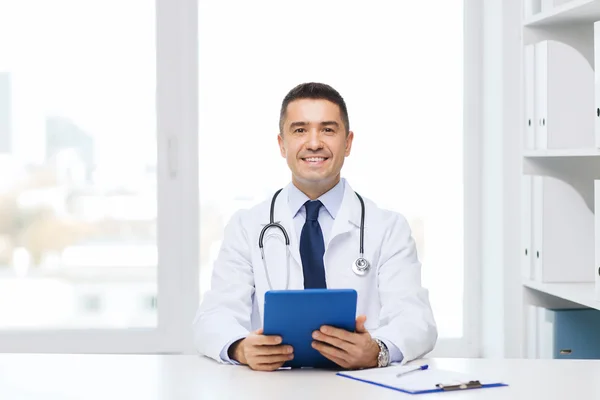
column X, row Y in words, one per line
column 390, row 295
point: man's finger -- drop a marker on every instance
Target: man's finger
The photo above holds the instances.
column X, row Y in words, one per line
column 339, row 333
column 329, row 350
column 332, row 340
column 273, row 350
column 268, row 367
column 266, row 340
column 273, row 358
column 360, row 324
column 342, row 363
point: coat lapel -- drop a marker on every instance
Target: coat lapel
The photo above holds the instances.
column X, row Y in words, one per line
column 284, row 215
column 348, row 216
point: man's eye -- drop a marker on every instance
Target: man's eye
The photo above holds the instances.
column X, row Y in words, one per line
column 299, row 130
column 329, row 130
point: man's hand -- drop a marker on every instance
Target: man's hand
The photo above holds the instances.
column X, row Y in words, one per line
column 349, row 350
column 260, row 352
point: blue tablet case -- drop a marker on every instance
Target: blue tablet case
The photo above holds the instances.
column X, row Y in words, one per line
column 296, row 314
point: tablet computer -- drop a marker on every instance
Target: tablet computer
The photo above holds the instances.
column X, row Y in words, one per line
column 296, row 314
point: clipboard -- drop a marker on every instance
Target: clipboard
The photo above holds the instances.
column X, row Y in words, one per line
column 420, row 382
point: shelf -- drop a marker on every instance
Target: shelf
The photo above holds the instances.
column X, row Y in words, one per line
column 575, row 11
column 579, row 293
column 553, row 153
column 578, row 168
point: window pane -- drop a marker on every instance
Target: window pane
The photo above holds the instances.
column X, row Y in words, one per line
column 77, row 164
column 399, row 68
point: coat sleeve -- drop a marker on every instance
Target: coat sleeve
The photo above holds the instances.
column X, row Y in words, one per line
column 406, row 317
column 225, row 312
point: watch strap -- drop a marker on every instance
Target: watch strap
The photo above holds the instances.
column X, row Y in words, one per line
column 383, row 358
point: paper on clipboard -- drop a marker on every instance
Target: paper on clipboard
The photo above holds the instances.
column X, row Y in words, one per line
column 419, row 381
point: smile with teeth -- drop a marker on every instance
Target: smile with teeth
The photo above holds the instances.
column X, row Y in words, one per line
column 315, row 159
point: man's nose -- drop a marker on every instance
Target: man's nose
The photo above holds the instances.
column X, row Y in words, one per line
column 314, row 140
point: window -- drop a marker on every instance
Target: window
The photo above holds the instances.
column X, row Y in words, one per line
column 88, row 242
column 106, row 137
column 399, row 67
column 78, row 197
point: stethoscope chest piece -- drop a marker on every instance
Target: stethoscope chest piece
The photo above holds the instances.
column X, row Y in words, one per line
column 361, row 266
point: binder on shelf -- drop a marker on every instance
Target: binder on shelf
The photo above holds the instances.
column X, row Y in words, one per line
column 547, row 5
column 563, row 233
column 597, row 62
column 531, row 331
column 545, row 334
column 532, row 7
column 541, row 94
column 563, row 115
column 420, row 381
column 537, row 227
column 529, row 131
column 555, row 3
column 569, row 334
column 597, row 236
column 526, row 224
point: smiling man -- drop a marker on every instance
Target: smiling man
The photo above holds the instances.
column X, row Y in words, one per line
column 322, row 215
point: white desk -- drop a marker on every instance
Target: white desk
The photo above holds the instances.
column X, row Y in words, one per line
column 115, row 377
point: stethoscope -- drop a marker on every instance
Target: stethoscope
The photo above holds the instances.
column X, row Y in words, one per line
column 360, row 266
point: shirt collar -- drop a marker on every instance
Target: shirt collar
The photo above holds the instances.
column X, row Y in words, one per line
column 332, row 199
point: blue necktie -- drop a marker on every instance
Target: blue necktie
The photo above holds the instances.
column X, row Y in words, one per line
column 312, row 248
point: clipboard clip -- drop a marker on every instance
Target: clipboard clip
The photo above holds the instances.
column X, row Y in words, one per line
column 460, row 386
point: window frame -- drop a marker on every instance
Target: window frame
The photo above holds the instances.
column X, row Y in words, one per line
column 178, row 207
column 469, row 345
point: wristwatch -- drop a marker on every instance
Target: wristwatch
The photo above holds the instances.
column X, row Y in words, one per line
column 383, row 359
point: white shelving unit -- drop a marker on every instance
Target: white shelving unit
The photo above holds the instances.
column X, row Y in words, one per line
column 560, row 191
column 554, row 153
column 566, row 295
column 570, row 11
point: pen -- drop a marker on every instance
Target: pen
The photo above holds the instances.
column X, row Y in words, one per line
column 420, row 368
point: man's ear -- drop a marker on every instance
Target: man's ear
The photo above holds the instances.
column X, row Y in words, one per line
column 349, row 140
column 281, row 145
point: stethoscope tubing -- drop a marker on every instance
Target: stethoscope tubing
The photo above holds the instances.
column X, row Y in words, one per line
column 273, row 224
